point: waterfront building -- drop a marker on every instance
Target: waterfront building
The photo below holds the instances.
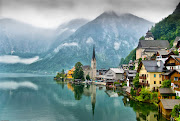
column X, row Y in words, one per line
column 91, row 70
column 166, row 93
column 165, row 106
column 173, row 62
column 150, row 73
column 129, row 75
column 148, row 47
column 114, row 74
column 70, row 73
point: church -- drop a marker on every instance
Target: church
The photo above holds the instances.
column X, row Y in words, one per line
column 91, row 70
column 148, row 47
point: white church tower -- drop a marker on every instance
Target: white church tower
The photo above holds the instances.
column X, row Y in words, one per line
column 93, row 64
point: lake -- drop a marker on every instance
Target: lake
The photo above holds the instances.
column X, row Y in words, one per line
column 28, row 97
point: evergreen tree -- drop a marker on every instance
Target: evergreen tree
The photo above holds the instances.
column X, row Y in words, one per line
column 88, row 77
column 136, row 81
column 78, row 73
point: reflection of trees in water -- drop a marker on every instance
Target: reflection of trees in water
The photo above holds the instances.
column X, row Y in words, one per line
column 78, row 91
column 60, row 83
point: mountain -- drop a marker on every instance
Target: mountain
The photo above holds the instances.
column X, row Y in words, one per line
column 114, row 36
column 167, row 29
column 21, row 38
column 66, row 29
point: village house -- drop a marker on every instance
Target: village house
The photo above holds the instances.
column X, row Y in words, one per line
column 173, row 62
column 129, row 75
column 100, row 74
column 176, row 42
column 70, row 73
column 148, row 47
column 174, row 76
column 150, row 73
column 114, row 74
column 165, row 106
column 166, row 93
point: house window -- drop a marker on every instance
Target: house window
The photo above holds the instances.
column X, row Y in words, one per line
column 175, row 78
column 154, row 75
column 159, row 82
column 159, row 75
column 154, row 82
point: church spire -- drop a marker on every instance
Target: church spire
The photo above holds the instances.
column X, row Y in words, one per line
column 93, row 56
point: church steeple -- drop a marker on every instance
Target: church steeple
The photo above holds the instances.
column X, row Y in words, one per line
column 93, row 56
column 149, row 36
column 93, row 64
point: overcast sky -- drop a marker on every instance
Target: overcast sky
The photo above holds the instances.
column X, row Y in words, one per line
column 51, row 13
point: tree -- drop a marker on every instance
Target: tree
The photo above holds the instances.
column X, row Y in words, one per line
column 136, row 81
column 78, row 73
column 142, row 38
column 144, row 96
column 166, row 84
column 88, row 77
column 61, row 75
column 175, row 111
column 176, row 52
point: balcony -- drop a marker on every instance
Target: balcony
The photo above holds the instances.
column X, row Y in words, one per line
column 142, row 77
column 170, row 64
column 143, row 84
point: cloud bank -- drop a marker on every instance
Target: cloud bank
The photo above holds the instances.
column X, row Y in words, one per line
column 11, row 59
column 65, row 45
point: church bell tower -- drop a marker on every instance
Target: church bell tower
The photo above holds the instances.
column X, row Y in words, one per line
column 93, row 64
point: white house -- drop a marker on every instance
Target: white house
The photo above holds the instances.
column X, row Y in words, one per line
column 114, row 74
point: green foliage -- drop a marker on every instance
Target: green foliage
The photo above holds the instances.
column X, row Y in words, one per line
column 133, row 92
column 131, row 56
column 116, row 83
column 88, row 77
column 144, row 96
column 78, row 73
column 136, row 81
column 142, row 38
column 176, row 52
column 166, row 84
column 168, row 28
column 61, row 76
column 175, row 111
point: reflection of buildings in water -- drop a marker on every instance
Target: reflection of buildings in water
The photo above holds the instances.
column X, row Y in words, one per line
column 91, row 91
column 69, row 86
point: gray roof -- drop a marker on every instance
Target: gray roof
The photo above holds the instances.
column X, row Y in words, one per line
column 151, row 49
column 177, row 39
column 166, row 91
column 170, row 103
column 153, row 44
column 149, row 34
column 163, row 52
column 151, row 65
column 86, row 67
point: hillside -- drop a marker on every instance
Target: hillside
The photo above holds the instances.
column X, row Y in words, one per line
column 167, row 29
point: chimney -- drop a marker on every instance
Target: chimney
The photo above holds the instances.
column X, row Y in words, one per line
column 158, row 63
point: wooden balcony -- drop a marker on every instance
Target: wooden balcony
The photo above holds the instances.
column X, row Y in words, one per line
column 170, row 64
column 143, row 84
column 142, row 77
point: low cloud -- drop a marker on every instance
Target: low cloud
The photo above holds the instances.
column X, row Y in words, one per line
column 90, row 40
column 116, row 45
column 11, row 59
column 65, row 45
column 12, row 85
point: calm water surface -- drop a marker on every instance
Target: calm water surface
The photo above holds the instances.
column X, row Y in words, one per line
column 27, row 97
